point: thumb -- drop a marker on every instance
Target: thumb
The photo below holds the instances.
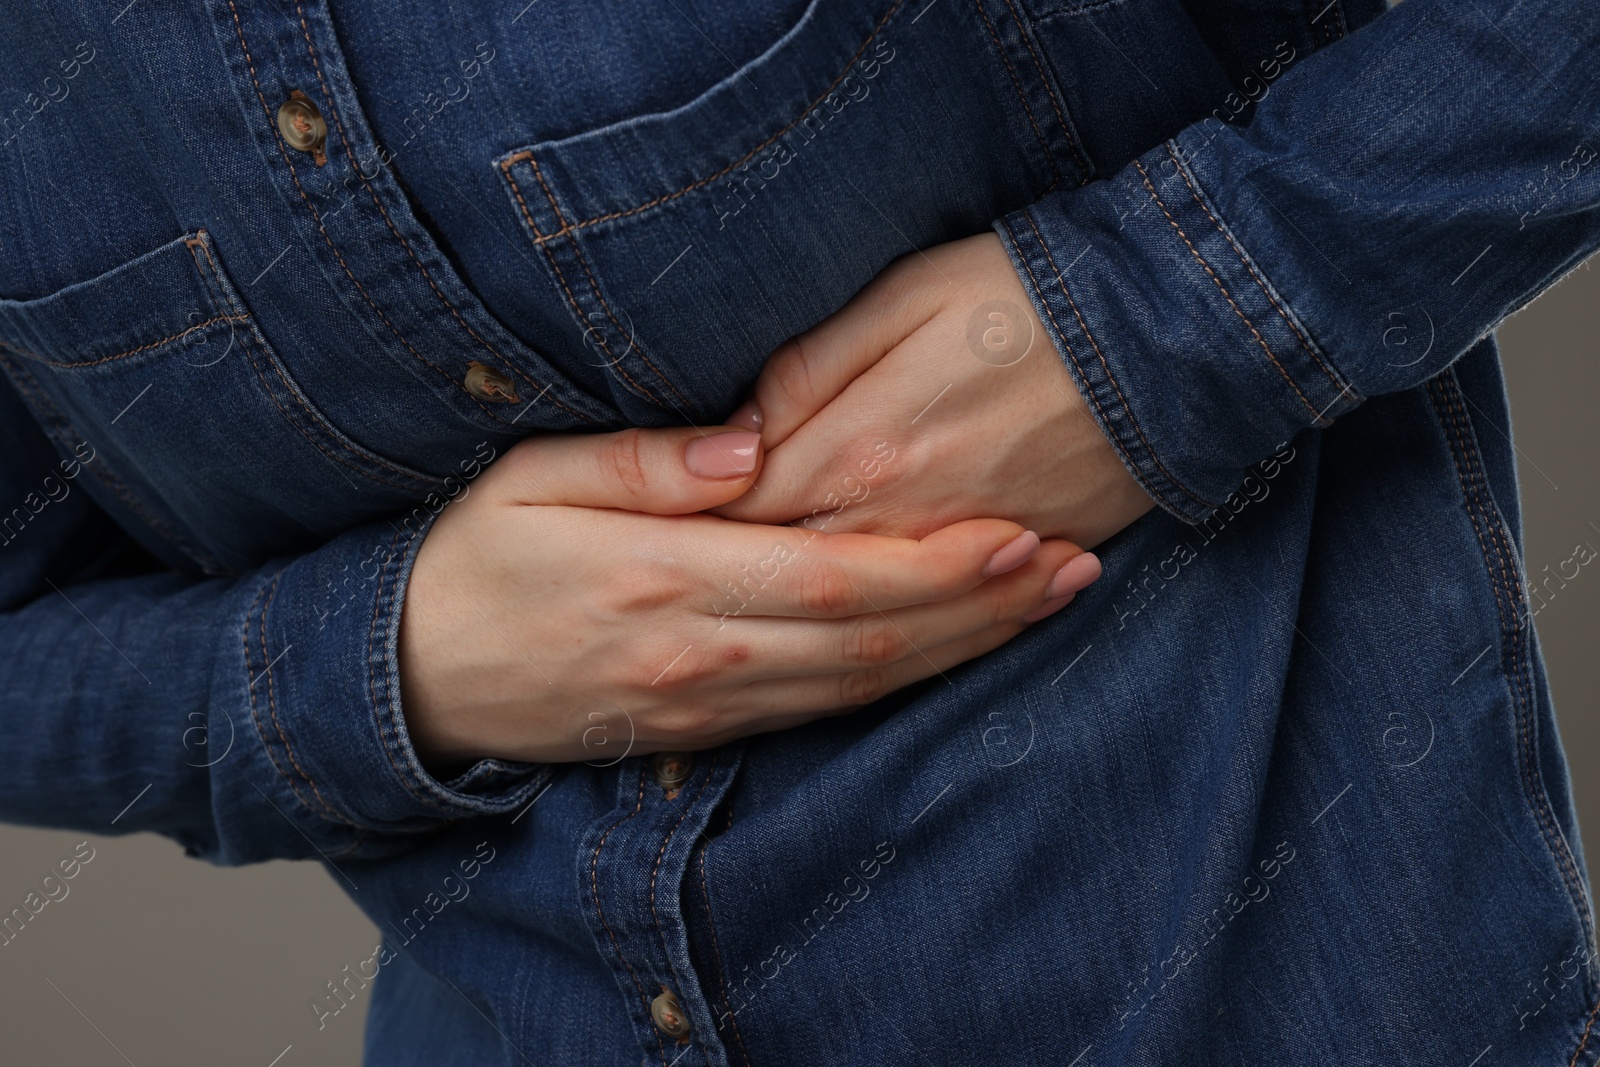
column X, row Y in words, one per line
column 661, row 472
column 808, row 372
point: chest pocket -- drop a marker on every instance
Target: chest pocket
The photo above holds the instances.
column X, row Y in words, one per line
column 689, row 244
column 201, row 441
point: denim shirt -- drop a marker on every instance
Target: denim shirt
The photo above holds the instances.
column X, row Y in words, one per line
column 281, row 278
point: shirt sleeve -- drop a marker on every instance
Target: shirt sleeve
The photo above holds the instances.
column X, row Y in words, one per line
column 1392, row 199
column 248, row 718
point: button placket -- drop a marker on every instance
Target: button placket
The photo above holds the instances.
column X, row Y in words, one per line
column 632, row 875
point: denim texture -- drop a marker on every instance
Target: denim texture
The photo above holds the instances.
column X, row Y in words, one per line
column 1284, row 786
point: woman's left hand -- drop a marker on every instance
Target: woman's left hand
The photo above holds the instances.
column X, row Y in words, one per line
column 935, row 395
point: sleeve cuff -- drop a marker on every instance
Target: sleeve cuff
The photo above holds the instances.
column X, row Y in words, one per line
column 1190, row 361
column 323, row 693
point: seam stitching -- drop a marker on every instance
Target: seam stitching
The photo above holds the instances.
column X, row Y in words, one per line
column 594, row 891
column 1249, row 266
column 1585, row 1039
column 121, row 355
column 1106, row 366
column 656, row 871
column 272, row 704
column 1554, row 839
column 1094, row 394
column 716, row 948
column 555, row 265
column 310, row 415
column 1016, row 82
column 594, row 286
column 1317, row 418
column 1072, row 355
column 316, row 217
column 1445, row 393
column 848, row 67
column 388, row 733
column 1049, row 89
column 111, row 482
column 338, row 122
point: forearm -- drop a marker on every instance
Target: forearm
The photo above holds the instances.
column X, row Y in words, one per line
column 247, row 718
column 1394, row 197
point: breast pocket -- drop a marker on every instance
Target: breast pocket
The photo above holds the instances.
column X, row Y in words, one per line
column 199, row 439
column 688, row 244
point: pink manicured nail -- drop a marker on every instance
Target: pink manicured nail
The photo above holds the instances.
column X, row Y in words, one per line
column 748, row 416
column 1013, row 554
column 723, row 455
column 1048, row 608
column 1075, row 574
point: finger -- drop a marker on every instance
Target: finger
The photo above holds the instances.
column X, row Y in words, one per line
column 779, row 704
column 808, row 371
column 833, row 576
column 662, row 472
column 873, row 423
column 779, row 648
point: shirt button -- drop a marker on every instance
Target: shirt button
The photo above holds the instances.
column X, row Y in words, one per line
column 486, row 383
column 301, row 125
column 668, row 1015
column 672, row 769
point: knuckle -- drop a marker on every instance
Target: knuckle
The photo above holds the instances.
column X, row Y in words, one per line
column 862, row 687
column 1003, row 609
column 648, row 587
column 825, row 592
column 685, row 724
column 790, row 374
column 872, row 641
column 674, row 670
column 623, row 459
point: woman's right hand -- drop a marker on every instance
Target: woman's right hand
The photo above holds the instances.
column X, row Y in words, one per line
column 573, row 607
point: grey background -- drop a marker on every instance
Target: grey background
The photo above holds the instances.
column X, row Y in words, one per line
column 156, row 959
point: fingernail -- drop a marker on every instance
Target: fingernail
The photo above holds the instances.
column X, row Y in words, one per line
column 748, row 416
column 1048, row 608
column 723, row 455
column 1077, row 573
column 1013, row 554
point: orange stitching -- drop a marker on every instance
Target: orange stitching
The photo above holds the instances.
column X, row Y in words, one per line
column 1066, row 127
column 1316, row 415
column 1250, row 267
column 595, row 286
column 716, row 948
column 255, row 711
column 656, row 871
column 1555, row 841
column 123, row 355
column 272, row 703
column 117, row 489
column 747, row 156
column 1093, row 395
column 245, row 342
column 1106, row 366
column 555, row 266
column 317, row 218
column 594, row 885
column 1017, row 83
column 1446, row 395
column 1574, row 1061
column 338, row 122
column 384, row 708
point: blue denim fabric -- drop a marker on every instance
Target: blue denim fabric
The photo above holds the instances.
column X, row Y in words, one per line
column 1283, row 787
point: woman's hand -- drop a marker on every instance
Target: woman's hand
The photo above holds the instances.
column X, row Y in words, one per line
column 943, row 357
column 572, row 608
